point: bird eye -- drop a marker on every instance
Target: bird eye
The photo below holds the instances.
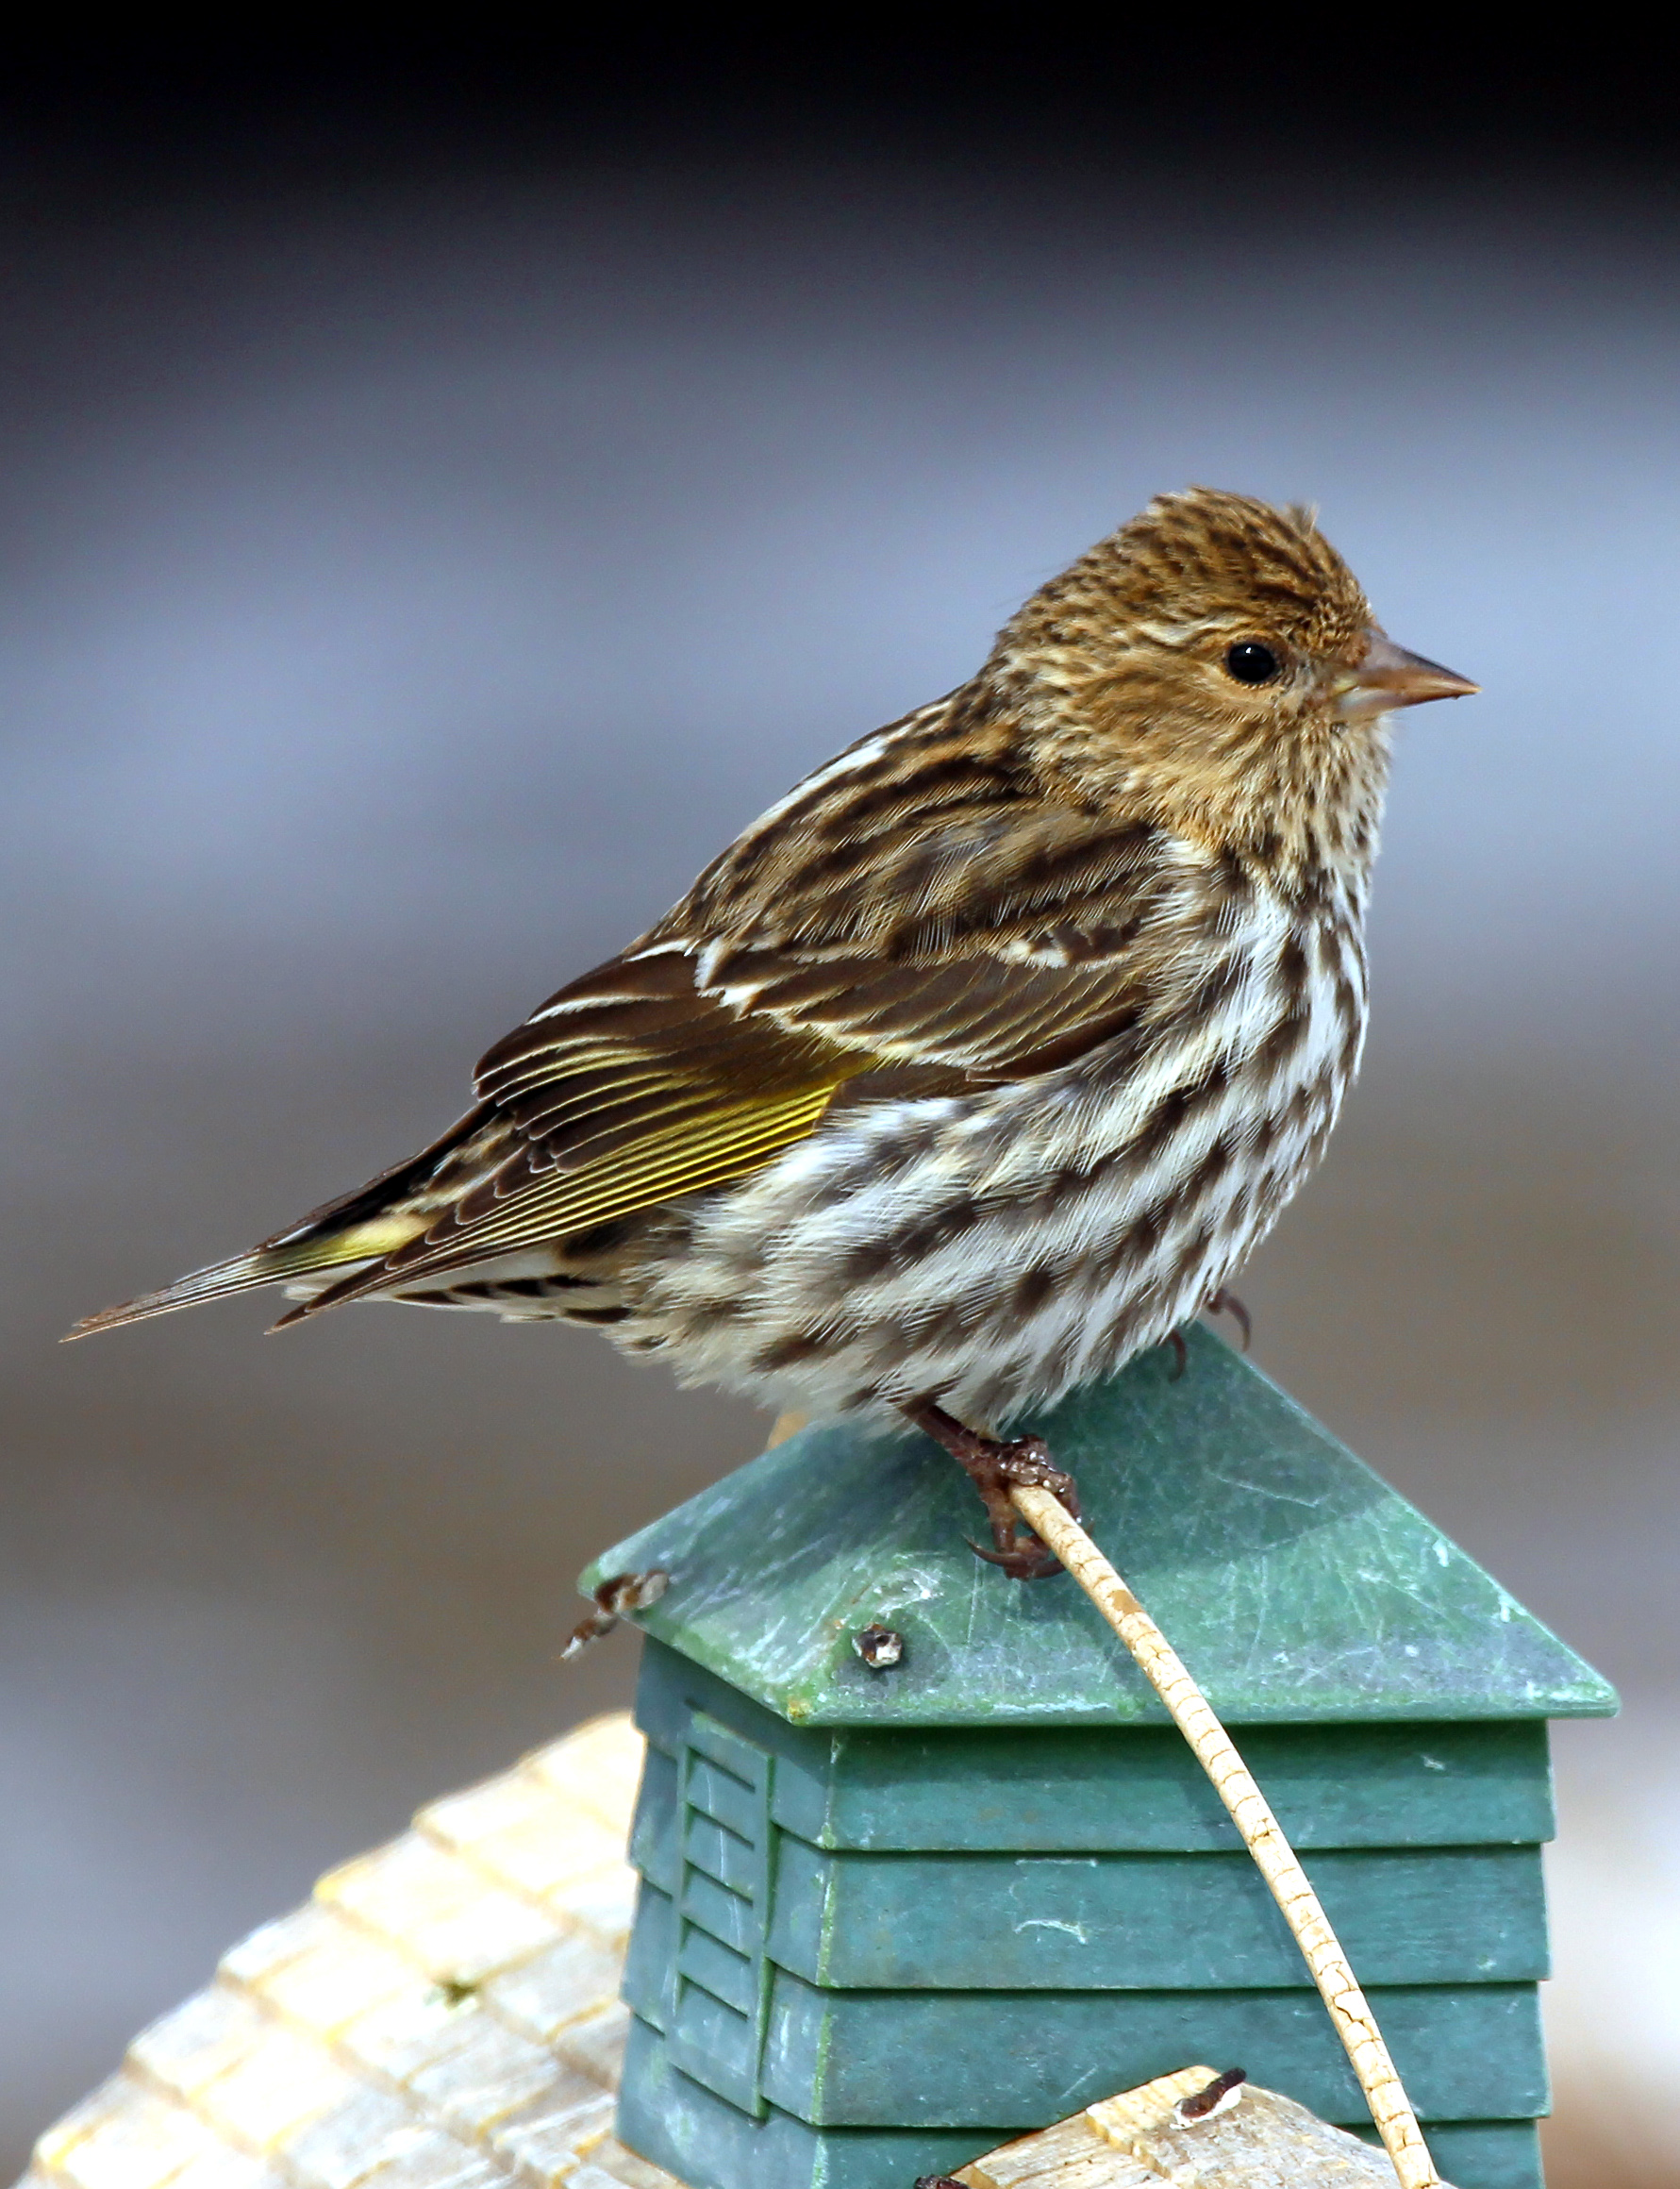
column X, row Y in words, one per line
column 1252, row 664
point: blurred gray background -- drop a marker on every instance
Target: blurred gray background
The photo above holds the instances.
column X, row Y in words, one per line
column 418, row 558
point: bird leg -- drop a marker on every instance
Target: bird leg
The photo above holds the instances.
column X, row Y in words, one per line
column 994, row 1466
column 1226, row 1303
column 1217, row 1303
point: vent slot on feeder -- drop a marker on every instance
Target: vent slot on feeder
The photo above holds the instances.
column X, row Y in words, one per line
column 720, row 1984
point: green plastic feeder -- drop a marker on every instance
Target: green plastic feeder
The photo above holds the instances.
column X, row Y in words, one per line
column 890, row 1917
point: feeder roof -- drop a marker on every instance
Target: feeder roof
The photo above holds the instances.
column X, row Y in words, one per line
column 1296, row 1585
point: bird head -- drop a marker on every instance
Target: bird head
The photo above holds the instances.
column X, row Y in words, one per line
column 1216, row 658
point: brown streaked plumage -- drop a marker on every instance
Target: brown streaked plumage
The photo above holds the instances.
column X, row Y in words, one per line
column 981, row 1061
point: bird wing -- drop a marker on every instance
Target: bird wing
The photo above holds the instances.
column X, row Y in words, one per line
column 695, row 1059
column 991, row 939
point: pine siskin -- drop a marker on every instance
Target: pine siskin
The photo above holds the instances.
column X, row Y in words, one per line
column 980, row 1061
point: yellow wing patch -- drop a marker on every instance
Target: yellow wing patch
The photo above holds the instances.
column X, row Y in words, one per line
column 680, row 1158
column 685, row 1155
column 377, row 1235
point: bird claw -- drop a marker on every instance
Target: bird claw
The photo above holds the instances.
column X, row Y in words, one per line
column 1226, row 1303
column 1026, row 1461
column 996, row 1467
column 1021, row 1564
column 1217, row 1303
column 623, row 1593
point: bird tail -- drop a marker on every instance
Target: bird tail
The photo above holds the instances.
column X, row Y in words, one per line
column 337, row 1239
column 279, row 1264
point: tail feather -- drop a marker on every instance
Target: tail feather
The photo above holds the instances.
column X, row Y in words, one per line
column 330, row 1293
column 343, row 1236
column 249, row 1272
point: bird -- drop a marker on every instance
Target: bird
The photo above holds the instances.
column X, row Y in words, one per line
column 981, row 1061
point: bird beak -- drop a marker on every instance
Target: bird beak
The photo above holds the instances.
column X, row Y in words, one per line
column 1388, row 676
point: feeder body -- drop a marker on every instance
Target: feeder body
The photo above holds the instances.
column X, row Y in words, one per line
column 889, row 1920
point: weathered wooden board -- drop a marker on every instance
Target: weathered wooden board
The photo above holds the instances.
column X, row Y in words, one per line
column 1137, row 2141
column 443, row 2014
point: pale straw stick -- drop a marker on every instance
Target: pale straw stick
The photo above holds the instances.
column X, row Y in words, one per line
column 1355, row 2025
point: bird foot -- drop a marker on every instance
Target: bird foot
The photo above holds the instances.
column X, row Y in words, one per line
column 1217, row 1303
column 628, row 1592
column 996, row 1465
column 1226, row 1303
